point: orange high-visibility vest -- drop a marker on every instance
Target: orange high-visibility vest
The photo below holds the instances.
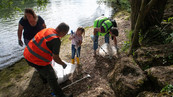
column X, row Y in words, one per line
column 37, row 51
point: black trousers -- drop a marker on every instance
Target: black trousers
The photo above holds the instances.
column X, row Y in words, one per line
column 48, row 74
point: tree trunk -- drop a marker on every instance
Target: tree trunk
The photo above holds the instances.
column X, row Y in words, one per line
column 155, row 16
column 144, row 9
column 135, row 6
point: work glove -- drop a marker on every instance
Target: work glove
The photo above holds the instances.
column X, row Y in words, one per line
column 93, row 37
column 64, row 66
column 20, row 43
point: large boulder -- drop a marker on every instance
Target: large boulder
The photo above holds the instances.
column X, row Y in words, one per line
column 127, row 79
column 161, row 75
column 158, row 55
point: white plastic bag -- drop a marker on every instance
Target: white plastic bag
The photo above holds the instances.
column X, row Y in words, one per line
column 63, row 74
column 107, row 50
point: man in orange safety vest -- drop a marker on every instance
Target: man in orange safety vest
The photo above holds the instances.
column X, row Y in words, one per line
column 40, row 51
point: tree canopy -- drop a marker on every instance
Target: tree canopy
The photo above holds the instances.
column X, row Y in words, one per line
column 9, row 8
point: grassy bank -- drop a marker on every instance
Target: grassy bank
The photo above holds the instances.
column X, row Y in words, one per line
column 21, row 67
column 11, row 73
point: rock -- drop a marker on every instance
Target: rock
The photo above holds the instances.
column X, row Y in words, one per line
column 127, row 78
column 161, row 75
column 158, row 55
column 151, row 94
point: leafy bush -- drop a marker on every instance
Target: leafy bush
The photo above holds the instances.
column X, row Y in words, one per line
column 11, row 8
column 126, row 44
column 169, row 39
column 168, row 89
column 123, row 4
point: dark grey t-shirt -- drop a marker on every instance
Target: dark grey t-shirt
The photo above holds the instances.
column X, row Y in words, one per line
column 54, row 45
column 31, row 31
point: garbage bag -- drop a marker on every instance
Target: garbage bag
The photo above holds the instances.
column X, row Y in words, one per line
column 63, row 74
column 107, row 50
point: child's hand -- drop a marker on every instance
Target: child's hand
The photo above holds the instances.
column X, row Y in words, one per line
column 71, row 37
column 79, row 43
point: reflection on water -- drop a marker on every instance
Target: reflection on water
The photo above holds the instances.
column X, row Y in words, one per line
column 73, row 12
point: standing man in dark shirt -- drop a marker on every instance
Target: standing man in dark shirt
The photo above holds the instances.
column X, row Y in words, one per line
column 40, row 51
column 31, row 24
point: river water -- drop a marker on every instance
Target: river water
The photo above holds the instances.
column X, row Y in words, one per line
column 73, row 12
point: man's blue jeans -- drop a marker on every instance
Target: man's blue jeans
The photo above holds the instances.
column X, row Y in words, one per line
column 95, row 44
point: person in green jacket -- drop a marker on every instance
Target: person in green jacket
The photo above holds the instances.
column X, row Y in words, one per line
column 106, row 27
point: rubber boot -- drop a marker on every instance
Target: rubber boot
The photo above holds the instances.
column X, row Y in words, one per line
column 72, row 61
column 77, row 58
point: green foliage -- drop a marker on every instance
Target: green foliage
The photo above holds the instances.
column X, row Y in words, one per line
column 157, row 35
column 88, row 86
column 42, row 2
column 140, row 38
column 13, row 8
column 65, row 39
column 129, row 35
column 169, row 39
column 124, row 4
column 170, row 59
column 168, row 89
column 170, row 19
column 127, row 44
column 146, row 67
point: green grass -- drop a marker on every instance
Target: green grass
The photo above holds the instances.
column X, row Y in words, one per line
column 88, row 27
column 13, row 72
column 168, row 89
column 65, row 39
column 122, row 12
